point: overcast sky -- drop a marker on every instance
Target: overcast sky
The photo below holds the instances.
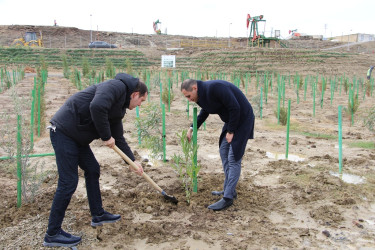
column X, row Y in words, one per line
column 197, row 17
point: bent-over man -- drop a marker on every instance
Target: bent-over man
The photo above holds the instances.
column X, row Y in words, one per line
column 225, row 99
column 93, row 113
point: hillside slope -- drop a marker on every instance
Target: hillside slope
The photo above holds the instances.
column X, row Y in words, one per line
column 305, row 56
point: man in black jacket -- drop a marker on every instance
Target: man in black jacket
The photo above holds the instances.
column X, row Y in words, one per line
column 226, row 100
column 93, row 113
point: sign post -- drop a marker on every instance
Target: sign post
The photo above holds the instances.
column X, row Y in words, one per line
column 168, row 61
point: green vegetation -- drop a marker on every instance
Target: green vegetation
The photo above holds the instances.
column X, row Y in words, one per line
column 66, row 70
column 85, row 67
column 245, row 61
column 97, row 58
column 167, row 94
column 110, row 69
column 369, row 120
column 149, row 125
column 128, row 66
column 319, row 136
column 283, row 115
column 362, row 144
column 33, row 173
column 353, row 106
column 39, row 104
column 184, row 165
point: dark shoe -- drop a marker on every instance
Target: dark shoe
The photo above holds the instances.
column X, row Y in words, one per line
column 221, row 204
column 61, row 239
column 222, row 193
column 104, row 218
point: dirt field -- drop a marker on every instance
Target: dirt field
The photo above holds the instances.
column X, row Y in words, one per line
column 298, row 203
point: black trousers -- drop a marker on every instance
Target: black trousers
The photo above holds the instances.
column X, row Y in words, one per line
column 70, row 155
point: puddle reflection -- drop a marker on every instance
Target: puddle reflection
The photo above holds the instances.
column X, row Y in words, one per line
column 278, row 156
column 349, row 178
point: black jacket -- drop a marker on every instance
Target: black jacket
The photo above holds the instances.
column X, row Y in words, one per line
column 226, row 100
column 97, row 112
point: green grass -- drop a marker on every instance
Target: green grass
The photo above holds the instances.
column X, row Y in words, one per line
column 362, row 144
column 31, row 57
column 250, row 61
column 319, row 136
column 296, row 127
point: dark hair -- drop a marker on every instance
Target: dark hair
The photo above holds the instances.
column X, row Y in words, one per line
column 187, row 84
column 141, row 87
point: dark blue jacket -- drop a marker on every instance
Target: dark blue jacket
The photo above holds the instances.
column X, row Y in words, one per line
column 228, row 101
column 369, row 72
column 97, row 112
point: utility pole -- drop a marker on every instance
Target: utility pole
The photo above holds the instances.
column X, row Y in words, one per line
column 325, row 30
column 90, row 27
column 229, row 35
column 348, row 39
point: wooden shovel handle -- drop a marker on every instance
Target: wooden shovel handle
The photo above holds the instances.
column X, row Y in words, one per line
column 135, row 167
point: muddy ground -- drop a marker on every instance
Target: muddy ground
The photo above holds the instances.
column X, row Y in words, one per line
column 282, row 204
column 298, row 203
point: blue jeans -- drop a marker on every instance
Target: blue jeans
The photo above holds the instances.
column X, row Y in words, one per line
column 232, row 169
column 70, row 155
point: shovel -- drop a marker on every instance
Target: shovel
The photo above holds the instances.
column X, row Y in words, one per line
column 144, row 175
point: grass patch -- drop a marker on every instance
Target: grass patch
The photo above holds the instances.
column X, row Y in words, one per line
column 362, row 144
column 97, row 57
column 294, row 125
column 319, row 136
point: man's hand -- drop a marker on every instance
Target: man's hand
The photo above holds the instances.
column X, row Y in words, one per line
column 189, row 134
column 229, row 137
column 140, row 169
column 110, row 143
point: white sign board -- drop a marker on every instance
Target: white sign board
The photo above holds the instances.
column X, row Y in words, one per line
column 168, row 61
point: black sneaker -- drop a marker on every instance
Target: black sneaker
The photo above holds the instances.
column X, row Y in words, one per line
column 104, row 218
column 61, row 239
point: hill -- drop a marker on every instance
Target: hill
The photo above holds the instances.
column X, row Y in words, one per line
column 210, row 54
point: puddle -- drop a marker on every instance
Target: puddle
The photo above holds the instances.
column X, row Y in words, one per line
column 343, row 146
column 278, row 156
column 370, row 222
column 349, row 178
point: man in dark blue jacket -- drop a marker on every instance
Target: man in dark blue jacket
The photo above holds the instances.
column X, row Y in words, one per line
column 93, row 113
column 369, row 72
column 226, row 100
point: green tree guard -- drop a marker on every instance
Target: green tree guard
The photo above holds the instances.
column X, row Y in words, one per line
column 19, row 163
column 340, row 140
column 287, row 131
column 195, row 143
column 261, row 102
column 164, row 135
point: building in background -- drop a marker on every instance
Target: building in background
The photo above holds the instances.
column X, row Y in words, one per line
column 353, row 38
